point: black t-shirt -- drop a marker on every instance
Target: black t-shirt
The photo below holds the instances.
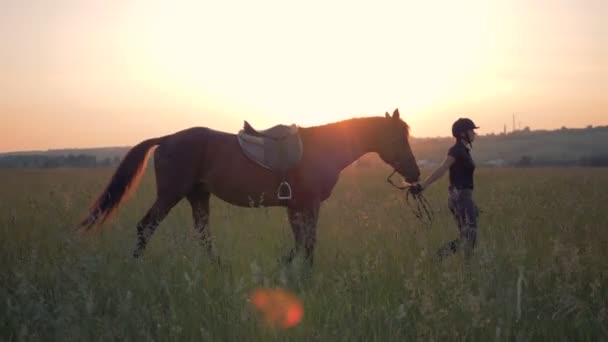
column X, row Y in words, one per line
column 461, row 171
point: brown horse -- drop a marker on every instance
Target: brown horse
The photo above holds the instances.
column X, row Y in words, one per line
column 197, row 162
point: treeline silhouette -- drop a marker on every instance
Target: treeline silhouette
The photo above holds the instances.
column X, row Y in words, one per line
column 586, row 147
column 528, row 148
column 589, row 161
column 42, row 161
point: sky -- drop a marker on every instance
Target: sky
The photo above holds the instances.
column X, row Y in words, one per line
column 79, row 73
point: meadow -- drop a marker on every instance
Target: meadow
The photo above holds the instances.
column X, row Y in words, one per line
column 539, row 272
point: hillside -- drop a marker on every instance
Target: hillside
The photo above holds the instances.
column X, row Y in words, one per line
column 579, row 146
column 558, row 147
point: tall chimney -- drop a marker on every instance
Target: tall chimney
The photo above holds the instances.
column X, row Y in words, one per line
column 513, row 122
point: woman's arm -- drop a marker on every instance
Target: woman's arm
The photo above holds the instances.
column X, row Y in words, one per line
column 440, row 171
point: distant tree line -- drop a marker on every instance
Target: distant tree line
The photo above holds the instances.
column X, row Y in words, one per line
column 588, row 161
column 599, row 160
column 42, row 161
column 522, row 148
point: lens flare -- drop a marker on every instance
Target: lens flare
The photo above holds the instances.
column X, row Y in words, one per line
column 278, row 307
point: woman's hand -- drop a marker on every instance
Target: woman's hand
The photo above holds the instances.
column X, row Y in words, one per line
column 416, row 189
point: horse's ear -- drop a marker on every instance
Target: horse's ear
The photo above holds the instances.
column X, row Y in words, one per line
column 386, row 115
column 395, row 114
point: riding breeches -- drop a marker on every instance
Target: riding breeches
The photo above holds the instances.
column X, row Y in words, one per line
column 465, row 213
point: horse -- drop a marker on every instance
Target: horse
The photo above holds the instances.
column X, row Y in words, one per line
column 198, row 162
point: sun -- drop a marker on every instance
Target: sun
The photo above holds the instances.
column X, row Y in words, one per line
column 310, row 63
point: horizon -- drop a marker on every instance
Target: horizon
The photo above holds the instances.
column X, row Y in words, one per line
column 488, row 134
column 101, row 73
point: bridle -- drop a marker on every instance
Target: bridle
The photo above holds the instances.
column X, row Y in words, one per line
column 422, row 209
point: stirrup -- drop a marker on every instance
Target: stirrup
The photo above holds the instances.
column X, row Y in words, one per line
column 284, row 191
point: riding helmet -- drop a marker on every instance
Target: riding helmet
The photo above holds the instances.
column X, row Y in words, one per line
column 462, row 125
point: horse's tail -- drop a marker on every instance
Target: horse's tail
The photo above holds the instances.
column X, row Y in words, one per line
column 125, row 179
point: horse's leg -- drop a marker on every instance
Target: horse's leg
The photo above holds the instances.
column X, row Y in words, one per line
column 170, row 189
column 199, row 201
column 304, row 226
column 147, row 225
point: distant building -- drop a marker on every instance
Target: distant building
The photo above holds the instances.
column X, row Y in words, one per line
column 494, row 162
column 424, row 163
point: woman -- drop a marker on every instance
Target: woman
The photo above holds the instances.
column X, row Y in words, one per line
column 460, row 191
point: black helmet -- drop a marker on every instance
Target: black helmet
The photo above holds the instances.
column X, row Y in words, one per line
column 462, row 125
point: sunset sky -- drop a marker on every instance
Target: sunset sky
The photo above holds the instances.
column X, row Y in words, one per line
column 77, row 73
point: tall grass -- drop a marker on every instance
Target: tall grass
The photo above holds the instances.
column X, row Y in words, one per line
column 539, row 271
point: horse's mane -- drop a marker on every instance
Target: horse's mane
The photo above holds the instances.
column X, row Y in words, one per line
column 354, row 122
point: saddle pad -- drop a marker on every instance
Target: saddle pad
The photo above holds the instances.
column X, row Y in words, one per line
column 275, row 155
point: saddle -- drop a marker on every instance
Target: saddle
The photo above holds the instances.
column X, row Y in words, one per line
column 277, row 149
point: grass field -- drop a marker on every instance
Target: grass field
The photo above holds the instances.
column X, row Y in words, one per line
column 540, row 270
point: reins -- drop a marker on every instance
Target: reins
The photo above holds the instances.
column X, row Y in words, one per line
column 422, row 209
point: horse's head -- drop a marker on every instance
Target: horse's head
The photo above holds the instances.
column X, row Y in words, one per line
column 394, row 147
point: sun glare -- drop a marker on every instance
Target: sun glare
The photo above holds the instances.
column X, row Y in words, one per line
column 312, row 62
column 277, row 307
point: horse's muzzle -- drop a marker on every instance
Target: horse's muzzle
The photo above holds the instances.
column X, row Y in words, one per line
column 411, row 173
